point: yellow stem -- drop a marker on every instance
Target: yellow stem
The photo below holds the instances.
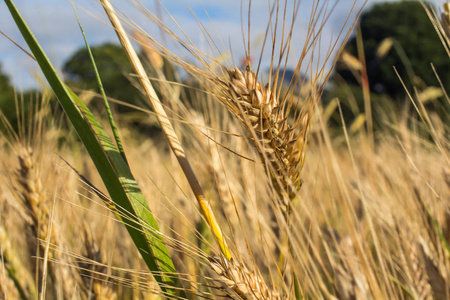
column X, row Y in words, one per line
column 167, row 128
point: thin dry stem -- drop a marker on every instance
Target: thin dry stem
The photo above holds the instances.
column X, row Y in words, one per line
column 167, row 128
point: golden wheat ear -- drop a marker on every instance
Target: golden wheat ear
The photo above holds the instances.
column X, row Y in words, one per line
column 44, row 231
column 15, row 278
column 279, row 145
column 93, row 271
column 239, row 280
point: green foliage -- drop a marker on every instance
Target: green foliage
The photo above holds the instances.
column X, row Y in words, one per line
column 5, row 85
column 384, row 110
column 18, row 104
column 413, row 33
column 114, row 69
column 6, row 95
column 415, row 45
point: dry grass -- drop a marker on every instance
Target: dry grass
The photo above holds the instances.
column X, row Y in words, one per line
column 371, row 220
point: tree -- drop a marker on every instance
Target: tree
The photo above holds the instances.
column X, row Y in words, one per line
column 18, row 107
column 6, row 95
column 5, row 87
column 416, row 45
column 114, row 69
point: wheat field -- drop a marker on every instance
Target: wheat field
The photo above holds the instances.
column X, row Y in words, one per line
column 296, row 208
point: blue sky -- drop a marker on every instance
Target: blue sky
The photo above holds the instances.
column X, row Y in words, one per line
column 54, row 24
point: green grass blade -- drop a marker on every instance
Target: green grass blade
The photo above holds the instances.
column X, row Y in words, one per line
column 138, row 217
column 102, row 91
column 113, row 169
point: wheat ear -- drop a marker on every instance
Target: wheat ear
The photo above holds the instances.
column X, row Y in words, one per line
column 420, row 283
column 95, row 274
column 280, row 146
column 10, row 267
column 247, row 285
column 34, row 199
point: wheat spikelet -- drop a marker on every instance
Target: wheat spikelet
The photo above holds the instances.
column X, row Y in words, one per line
column 10, row 268
column 445, row 19
column 429, row 248
column 421, row 286
column 7, row 288
column 435, row 271
column 410, row 262
column 236, row 277
column 31, row 191
column 280, row 147
column 345, row 284
column 95, row 278
column 351, row 281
